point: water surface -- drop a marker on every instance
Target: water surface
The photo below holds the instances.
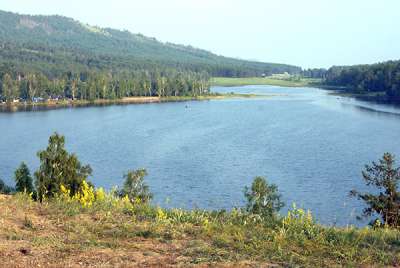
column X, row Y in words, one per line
column 201, row 154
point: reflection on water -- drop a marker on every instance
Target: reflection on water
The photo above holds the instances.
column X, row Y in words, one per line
column 39, row 107
column 201, row 154
column 370, row 110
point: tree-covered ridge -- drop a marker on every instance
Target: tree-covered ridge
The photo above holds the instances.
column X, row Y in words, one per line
column 381, row 78
column 54, row 44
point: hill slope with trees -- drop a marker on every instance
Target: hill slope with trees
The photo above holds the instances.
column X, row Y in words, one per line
column 55, row 57
column 380, row 80
column 55, row 43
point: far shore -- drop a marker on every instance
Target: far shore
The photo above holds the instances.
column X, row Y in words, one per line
column 53, row 104
column 269, row 80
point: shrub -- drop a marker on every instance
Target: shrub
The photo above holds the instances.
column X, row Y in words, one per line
column 135, row 188
column 85, row 195
column 100, row 194
column 262, row 198
column 299, row 223
column 384, row 176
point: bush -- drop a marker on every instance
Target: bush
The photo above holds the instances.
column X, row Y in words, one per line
column 299, row 224
column 86, row 194
column 384, row 176
column 262, row 198
column 135, row 188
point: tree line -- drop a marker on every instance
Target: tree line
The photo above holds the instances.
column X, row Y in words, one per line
column 381, row 81
column 314, row 73
column 92, row 85
column 381, row 78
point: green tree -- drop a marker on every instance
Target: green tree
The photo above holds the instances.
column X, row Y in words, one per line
column 161, row 84
column 58, row 167
column 23, row 90
column 32, row 86
column 8, row 86
column 385, row 177
column 23, row 179
column 262, row 198
column 134, row 186
column 4, row 188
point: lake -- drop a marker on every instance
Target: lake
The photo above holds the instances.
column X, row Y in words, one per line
column 202, row 154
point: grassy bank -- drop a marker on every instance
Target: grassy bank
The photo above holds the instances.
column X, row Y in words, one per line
column 273, row 81
column 114, row 232
column 216, row 96
column 18, row 106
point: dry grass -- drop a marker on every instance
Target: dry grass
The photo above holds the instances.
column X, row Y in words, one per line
column 60, row 241
column 41, row 235
column 111, row 233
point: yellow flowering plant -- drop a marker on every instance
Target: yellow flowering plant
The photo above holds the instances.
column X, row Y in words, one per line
column 161, row 215
column 100, row 194
column 299, row 222
column 86, row 195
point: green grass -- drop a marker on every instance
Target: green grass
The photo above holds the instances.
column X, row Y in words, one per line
column 213, row 96
column 271, row 80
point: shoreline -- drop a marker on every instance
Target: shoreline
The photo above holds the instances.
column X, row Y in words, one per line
column 378, row 97
column 52, row 104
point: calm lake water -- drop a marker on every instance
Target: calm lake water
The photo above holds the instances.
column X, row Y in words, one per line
column 201, row 154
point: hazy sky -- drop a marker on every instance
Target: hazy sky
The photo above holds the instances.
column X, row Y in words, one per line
column 309, row 33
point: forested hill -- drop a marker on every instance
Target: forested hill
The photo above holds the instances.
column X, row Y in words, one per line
column 53, row 44
column 376, row 80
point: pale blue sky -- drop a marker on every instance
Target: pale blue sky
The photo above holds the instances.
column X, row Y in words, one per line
column 309, row 33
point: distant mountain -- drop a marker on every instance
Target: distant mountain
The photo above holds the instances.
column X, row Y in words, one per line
column 58, row 44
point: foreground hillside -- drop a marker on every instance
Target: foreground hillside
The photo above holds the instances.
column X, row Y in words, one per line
column 112, row 232
column 32, row 235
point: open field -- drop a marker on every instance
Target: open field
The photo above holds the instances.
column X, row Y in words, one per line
column 114, row 233
column 271, row 80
